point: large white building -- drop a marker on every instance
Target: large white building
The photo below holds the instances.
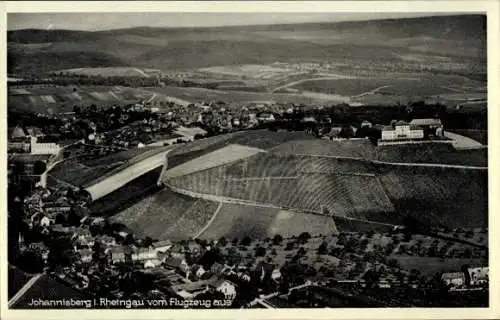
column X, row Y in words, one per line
column 401, row 130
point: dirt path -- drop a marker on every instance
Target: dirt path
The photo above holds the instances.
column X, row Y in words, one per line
column 216, row 212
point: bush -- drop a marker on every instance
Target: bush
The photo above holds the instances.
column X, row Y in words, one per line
column 277, row 239
column 260, row 252
column 323, row 248
column 246, row 241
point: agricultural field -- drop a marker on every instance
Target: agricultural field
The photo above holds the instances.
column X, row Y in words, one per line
column 362, row 148
column 127, row 195
column 450, row 198
column 429, row 266
column 438, row 153
column 167, row 215
column 106, row 72
column 56, row 99
column 398, row 88
column 195, row 95
column 238, row 221
column 58, row 291
column 89, row 167
column 17, row 279
column 480, row 136
column 231, row 153
column 302, row 183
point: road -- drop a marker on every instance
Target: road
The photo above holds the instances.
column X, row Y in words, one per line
column 109, row 184
column 24, row 289
column 461, row 142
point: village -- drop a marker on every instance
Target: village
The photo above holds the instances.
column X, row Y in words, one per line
column 89, row 253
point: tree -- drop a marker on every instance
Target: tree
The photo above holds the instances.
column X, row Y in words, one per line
column 246, row 241
column 304, row 236
column 235, row 241
column 147, row 242
column 323, row 248
column 222, row 242
column 260, row 251
column 277, row 239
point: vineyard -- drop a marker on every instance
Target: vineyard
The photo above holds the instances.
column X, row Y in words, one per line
column 167, row 215
column 440, row 197
column 238, row 221
column 346, row 148
column 343, row 187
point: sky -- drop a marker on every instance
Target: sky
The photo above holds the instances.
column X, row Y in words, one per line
column 107, row 21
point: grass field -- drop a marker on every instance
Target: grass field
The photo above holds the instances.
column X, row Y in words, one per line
column 194, row 95
column 107, row 72
column 480, row 136
column 429, row 266
column 410, row 86
column 238, row 221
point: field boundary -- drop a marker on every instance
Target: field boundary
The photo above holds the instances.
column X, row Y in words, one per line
column 214, row 215
column 222, row 200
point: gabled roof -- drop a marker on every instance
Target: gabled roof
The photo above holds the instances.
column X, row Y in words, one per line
column 452, row 275
column 426, row 122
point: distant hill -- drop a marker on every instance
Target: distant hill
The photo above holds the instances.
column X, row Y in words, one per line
column 461, row 36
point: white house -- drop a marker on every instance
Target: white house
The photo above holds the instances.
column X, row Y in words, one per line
column 144, row 254
column 162, row 246
column 152, row 263
column 478, row 275
column 455, row 279
column 266, row 117
column 401, row 130
column 226, row 287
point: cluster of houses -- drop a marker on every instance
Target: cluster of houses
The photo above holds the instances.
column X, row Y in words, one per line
column 475, row 277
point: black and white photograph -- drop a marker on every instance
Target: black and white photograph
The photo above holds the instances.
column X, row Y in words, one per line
column 247, row 160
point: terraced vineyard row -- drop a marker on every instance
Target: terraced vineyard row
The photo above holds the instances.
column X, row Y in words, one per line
column 451, row 197
column 167, row 215
column 237, row 221
column 346, row 148
column 343, row 195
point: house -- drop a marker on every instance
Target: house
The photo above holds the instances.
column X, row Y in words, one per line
column 190, row 290
column 217, row 268
column 178, row 264
column 144, row 254
column 226, row 287
column 478, row 275
column 118, row 254
column 198, row 271
column 40, row 249
column 400, row 130
column 244, row 276
column 83, row 237
column 454, row 279
column 366, row 124
column 162, row 246
column 107, row 241
column 276, row 274
column 431, row 127
column 85, row 255
column 152, row 263
column 266, row 117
